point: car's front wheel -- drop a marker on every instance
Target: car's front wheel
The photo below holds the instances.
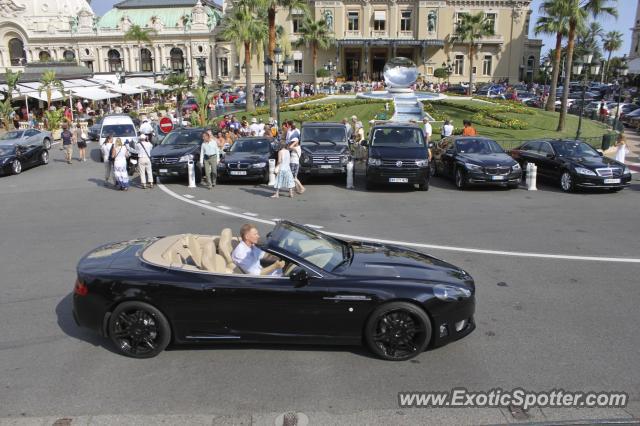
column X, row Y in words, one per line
column 566, row 182
column 16, row 167
column 139, row 330
column 398, row 331
column 460, row 178
column 44, row 157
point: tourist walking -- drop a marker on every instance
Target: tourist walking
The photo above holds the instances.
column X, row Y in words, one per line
column 294, row 163
column 120, row 154
column 284, row 180
column 106, row 157
column 81, row 142
column 67, row 142
column 428, row 130
column 209, row 154
column 622, row 150
column 144, row 148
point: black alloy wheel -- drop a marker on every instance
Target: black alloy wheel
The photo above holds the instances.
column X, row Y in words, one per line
column 398, row 331
column 16, row 167
column 46, row 142
column 44, row 157
column 460, row 178
column 566, row 181
column 424, row 186
column 139, row 330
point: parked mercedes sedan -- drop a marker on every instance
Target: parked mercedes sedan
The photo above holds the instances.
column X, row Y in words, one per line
column 28, row 137
column 573, row 164
column 185, row 289
column 474, row 160
column 14, row 157
column 247, row 158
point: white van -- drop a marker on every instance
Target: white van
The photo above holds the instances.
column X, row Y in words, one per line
column 119, row 126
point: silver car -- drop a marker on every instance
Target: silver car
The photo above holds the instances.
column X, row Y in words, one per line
column 28, row 137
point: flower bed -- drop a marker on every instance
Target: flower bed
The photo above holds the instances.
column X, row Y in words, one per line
column 492, row 116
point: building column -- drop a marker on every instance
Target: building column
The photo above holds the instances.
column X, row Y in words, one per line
column 189, row 59
column 100, row 65
column 158, row 58
column 3, row 58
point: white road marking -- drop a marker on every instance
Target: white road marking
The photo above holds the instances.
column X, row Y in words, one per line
column 417, row 245
column 189, row 196
column 224, row 207
column 313, row 226
column 204, row 201
column 251, row 214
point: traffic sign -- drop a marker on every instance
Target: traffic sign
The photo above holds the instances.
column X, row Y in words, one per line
column 166, row 125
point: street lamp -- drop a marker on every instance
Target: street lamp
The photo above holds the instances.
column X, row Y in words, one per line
column 280, row 65
column 546, row 67
column 202, row 69
column 584, row 68
column 621, row 71
column 449, row 70
column 120, row 74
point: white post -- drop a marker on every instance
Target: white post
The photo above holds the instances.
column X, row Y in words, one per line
column 272, row 172
column 26, row 103
column 192, row 174
column 350, row 174
column 532, row 177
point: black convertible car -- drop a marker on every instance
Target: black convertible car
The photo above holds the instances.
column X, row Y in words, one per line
column 247, row 158
column 573, row 164
column 14, row 158
column 145, row 294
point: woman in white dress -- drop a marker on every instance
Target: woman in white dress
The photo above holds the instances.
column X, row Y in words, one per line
column 120, row 153
column 285, row 177
column 622, row 151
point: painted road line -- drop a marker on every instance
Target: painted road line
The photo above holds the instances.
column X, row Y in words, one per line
column 204, row 201
column 251, row 214
column 224, row 207
column 189, row 196
column 417, row 245
column 313, row 226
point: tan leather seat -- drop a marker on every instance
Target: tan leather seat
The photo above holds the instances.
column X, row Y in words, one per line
column 225, row 247
column 195, row 249
column 212, row 262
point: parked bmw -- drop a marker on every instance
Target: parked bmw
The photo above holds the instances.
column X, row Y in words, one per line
column 172, row 156
column 14, row 157
column 573, row 164
column 473, row 160
column 28, row 137
column 247, row 158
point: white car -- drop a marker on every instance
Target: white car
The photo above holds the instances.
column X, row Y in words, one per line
column 120, row 127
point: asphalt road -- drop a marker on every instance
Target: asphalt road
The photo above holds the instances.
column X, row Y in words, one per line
column 542, row 323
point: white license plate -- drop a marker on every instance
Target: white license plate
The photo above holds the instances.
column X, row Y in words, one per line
column 325, row 166
column 612, row 181
column 234, row 173
column 398, row 180
column 164, row 171
column 497, row 177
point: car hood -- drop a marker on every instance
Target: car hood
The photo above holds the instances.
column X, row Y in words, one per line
column 325, row 149
column 488, row 160
column 387, row 261
column 592, row 162
column 393, row 152
column 173, row 150
column 247, row 157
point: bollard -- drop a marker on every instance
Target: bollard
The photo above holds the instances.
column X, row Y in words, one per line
column 272, row 173
column 532, row 177
column 192, row 174
column 350, row 174
column 527, row 176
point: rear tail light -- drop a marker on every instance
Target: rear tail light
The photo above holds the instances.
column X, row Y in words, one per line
column 80, row 288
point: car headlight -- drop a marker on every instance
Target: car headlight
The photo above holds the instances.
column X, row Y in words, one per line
column 259, row 165
column 422, row 163
column 583, row 171
column 473, row 167
column 627, row 170
column 185, row 158
column 450, row 293
column 344, row 159
column 374, row 162
column 306, row 159
column 516, row 167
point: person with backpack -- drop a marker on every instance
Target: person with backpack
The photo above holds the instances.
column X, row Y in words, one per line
column 67, row 142
column 144, row 147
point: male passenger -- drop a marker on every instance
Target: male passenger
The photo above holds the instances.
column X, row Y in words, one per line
column 247, row 255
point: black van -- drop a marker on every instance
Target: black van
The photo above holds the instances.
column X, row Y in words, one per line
column 325, row 149
column 397, row 154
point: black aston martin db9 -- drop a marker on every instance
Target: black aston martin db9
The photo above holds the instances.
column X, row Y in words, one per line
column 14, row 157
column 145, row 294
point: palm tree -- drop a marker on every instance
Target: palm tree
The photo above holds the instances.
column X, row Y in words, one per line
column 248, row 32
column 577, row 12
column 139, row 35
column 471, row 29
column 49, row 82
column 179, row 83
column 611, row 42
column 315, row 35
column 552, row 22
column 202, row 97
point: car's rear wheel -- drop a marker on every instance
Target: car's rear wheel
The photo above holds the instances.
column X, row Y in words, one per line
column 44, row 157
column 139, row 330
column 566, row 182
column 398, row 331
column 16, row 167
column 46, row 143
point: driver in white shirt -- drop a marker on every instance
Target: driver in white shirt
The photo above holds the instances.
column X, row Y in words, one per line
column 247, row 255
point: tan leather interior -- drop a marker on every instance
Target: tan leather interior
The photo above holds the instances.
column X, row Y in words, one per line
column 224, row 246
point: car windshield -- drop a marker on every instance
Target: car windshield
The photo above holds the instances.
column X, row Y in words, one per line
column 11, row 135
column 316, row 248
column 478, row 146
column 258, row 146
column 574, row 149
column 398, row 137
column 183, row 138
column 318, row 135
column 118, row 130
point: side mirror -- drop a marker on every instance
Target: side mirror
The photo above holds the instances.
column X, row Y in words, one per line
column 601, row 153
column 550, row 156
column 431, row 145
column 227, row 149
column 300, row 278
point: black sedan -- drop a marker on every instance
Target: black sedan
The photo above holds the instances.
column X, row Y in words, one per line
column 247, row 158
column 183, row 289
column 171, row 157
column 14, row 158
column 573, row 164
column 473, row 160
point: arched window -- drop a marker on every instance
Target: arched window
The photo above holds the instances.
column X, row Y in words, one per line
column 69, row 55
column 16, row 52
column 177, row 59
column 44, row 56
column 146, row 61
column 114, row 60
